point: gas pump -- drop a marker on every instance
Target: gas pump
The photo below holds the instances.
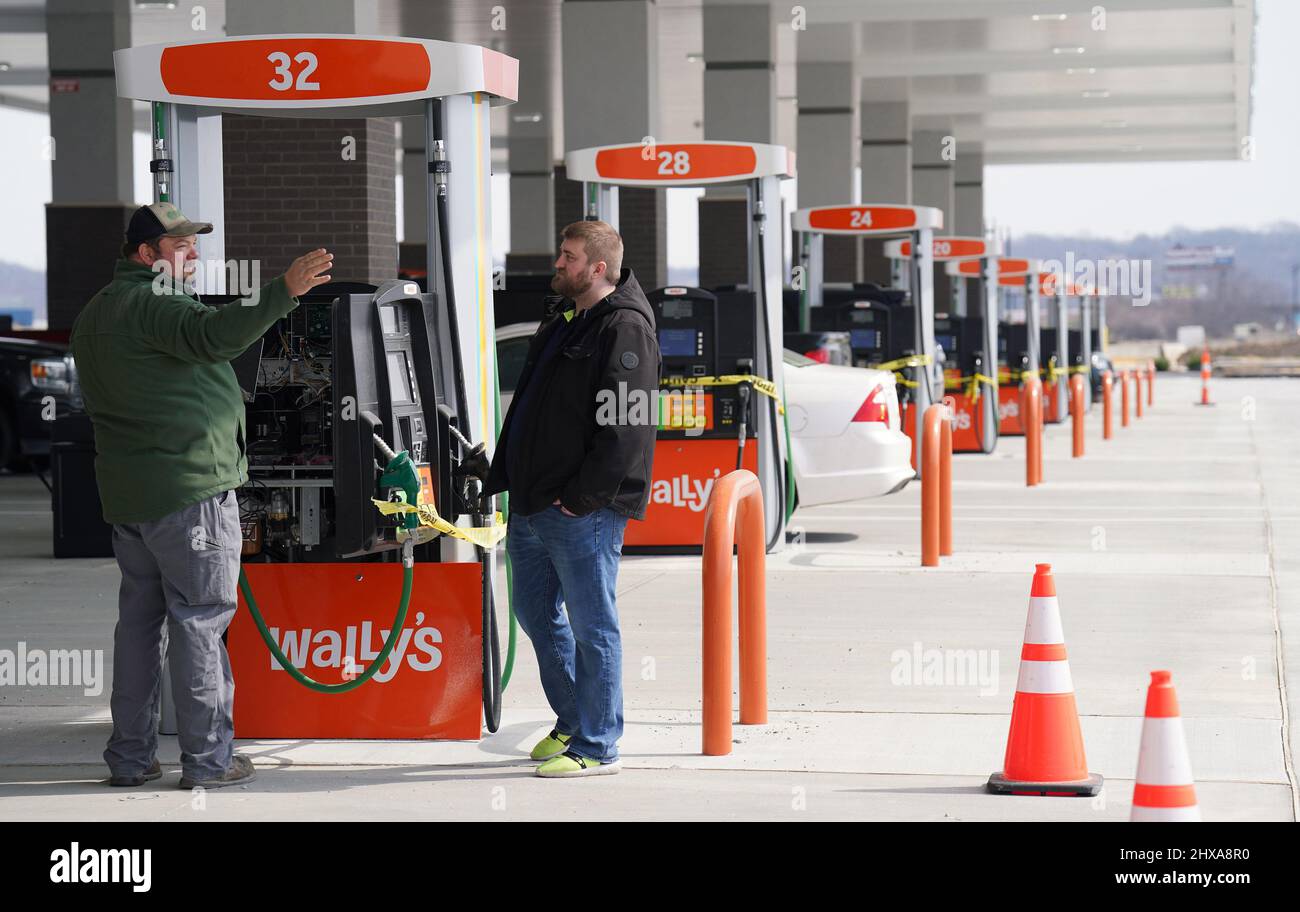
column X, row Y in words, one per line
column 907, row 345
column 1078, row 347
column 362, row 404
column 1018, row 343
column 1053, row 345
column 720, row 403
column 966, row 341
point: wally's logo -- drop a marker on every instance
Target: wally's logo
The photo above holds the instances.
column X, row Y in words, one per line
column 683, row 491
column 359, row 644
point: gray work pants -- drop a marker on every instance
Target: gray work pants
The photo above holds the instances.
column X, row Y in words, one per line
column 180, row 572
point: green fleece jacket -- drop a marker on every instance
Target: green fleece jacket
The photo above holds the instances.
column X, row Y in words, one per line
column 156, row 377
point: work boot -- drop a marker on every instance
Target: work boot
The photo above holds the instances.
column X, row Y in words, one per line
column 152, row 773
column 241, row 772
column 551, row 746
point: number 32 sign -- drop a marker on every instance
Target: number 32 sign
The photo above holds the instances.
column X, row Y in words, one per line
column 295, row 67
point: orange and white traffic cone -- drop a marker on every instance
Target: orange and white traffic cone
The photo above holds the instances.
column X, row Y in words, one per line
column 1164, row 789
column 1045, row 745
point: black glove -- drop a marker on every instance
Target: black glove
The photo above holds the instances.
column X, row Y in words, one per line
column 474, row 465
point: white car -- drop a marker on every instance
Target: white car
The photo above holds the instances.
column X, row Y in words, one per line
column 845, row 430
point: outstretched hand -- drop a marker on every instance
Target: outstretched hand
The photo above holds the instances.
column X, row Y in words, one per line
column 304, row 273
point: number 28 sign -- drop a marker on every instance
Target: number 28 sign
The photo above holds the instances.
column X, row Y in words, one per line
column 650, row 163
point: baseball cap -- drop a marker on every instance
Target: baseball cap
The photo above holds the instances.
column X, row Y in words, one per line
column 158, row 219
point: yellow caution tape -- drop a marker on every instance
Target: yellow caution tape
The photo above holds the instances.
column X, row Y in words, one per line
column 1078, row 369
column 909, row 361
column 900, row 364
column 762, row 385
column 973, row 388
column 482, row 536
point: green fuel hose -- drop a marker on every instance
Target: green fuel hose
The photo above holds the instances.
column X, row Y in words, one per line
column 408, row 574
column 789, row 469
column 513, row 636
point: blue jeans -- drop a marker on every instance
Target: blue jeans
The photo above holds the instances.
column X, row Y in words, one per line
column 558, row 560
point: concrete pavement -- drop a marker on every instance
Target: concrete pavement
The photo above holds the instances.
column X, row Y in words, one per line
column 1175, row 545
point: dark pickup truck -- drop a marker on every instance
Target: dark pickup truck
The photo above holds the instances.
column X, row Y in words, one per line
column 38, row 382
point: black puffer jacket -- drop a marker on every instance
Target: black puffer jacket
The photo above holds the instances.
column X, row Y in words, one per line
column 559, row 448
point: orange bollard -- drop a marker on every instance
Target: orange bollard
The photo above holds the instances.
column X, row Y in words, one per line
column 1123, row 411
column 1151, row 383
column 1205, row 376
column 1137, row 389
column 1076, row 410
column 936, row 485
column 734, row 516
column 1031, row 410
column 945, row 484
column 1107, row 405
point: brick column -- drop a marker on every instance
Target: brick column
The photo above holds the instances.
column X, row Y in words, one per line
column 289, row 189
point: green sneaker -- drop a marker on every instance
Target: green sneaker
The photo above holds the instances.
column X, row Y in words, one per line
column 569, row 765
column 551, row 746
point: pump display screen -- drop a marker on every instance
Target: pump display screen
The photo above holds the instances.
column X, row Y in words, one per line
column 863, row 316
column 681, row 309
column 947, row 343
column 678, row 343
column 864, row 338
column 388, row 319
column 399, row 377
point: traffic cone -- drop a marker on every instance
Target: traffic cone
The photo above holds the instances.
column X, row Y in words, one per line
column 1045, row 745
column 1164, row 789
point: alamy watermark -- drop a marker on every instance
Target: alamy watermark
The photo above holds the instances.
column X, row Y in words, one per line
column 240, row 277
column 23, row 667
column 1130, row 278
column 685, row 410
column 921, row 667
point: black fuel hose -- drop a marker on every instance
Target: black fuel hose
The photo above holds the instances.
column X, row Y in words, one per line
column 491, row 636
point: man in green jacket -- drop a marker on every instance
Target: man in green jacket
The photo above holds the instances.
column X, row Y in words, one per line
column 154, row 366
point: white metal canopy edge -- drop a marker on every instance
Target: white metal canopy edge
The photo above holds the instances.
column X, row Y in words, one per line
column 313, row 75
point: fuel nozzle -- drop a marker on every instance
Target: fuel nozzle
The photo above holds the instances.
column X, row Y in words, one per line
column 401, row 474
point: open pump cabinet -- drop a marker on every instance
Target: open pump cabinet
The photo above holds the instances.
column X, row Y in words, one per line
column 362, row 397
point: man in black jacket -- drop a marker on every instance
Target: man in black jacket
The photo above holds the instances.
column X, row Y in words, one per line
column 575, row 453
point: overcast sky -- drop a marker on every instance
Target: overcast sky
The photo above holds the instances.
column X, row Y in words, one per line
column 1100, row 200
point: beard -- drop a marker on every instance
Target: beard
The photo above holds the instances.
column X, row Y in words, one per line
column 570, row 288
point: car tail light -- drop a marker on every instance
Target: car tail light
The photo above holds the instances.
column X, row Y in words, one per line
column 873, row 410
column 821, row 355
